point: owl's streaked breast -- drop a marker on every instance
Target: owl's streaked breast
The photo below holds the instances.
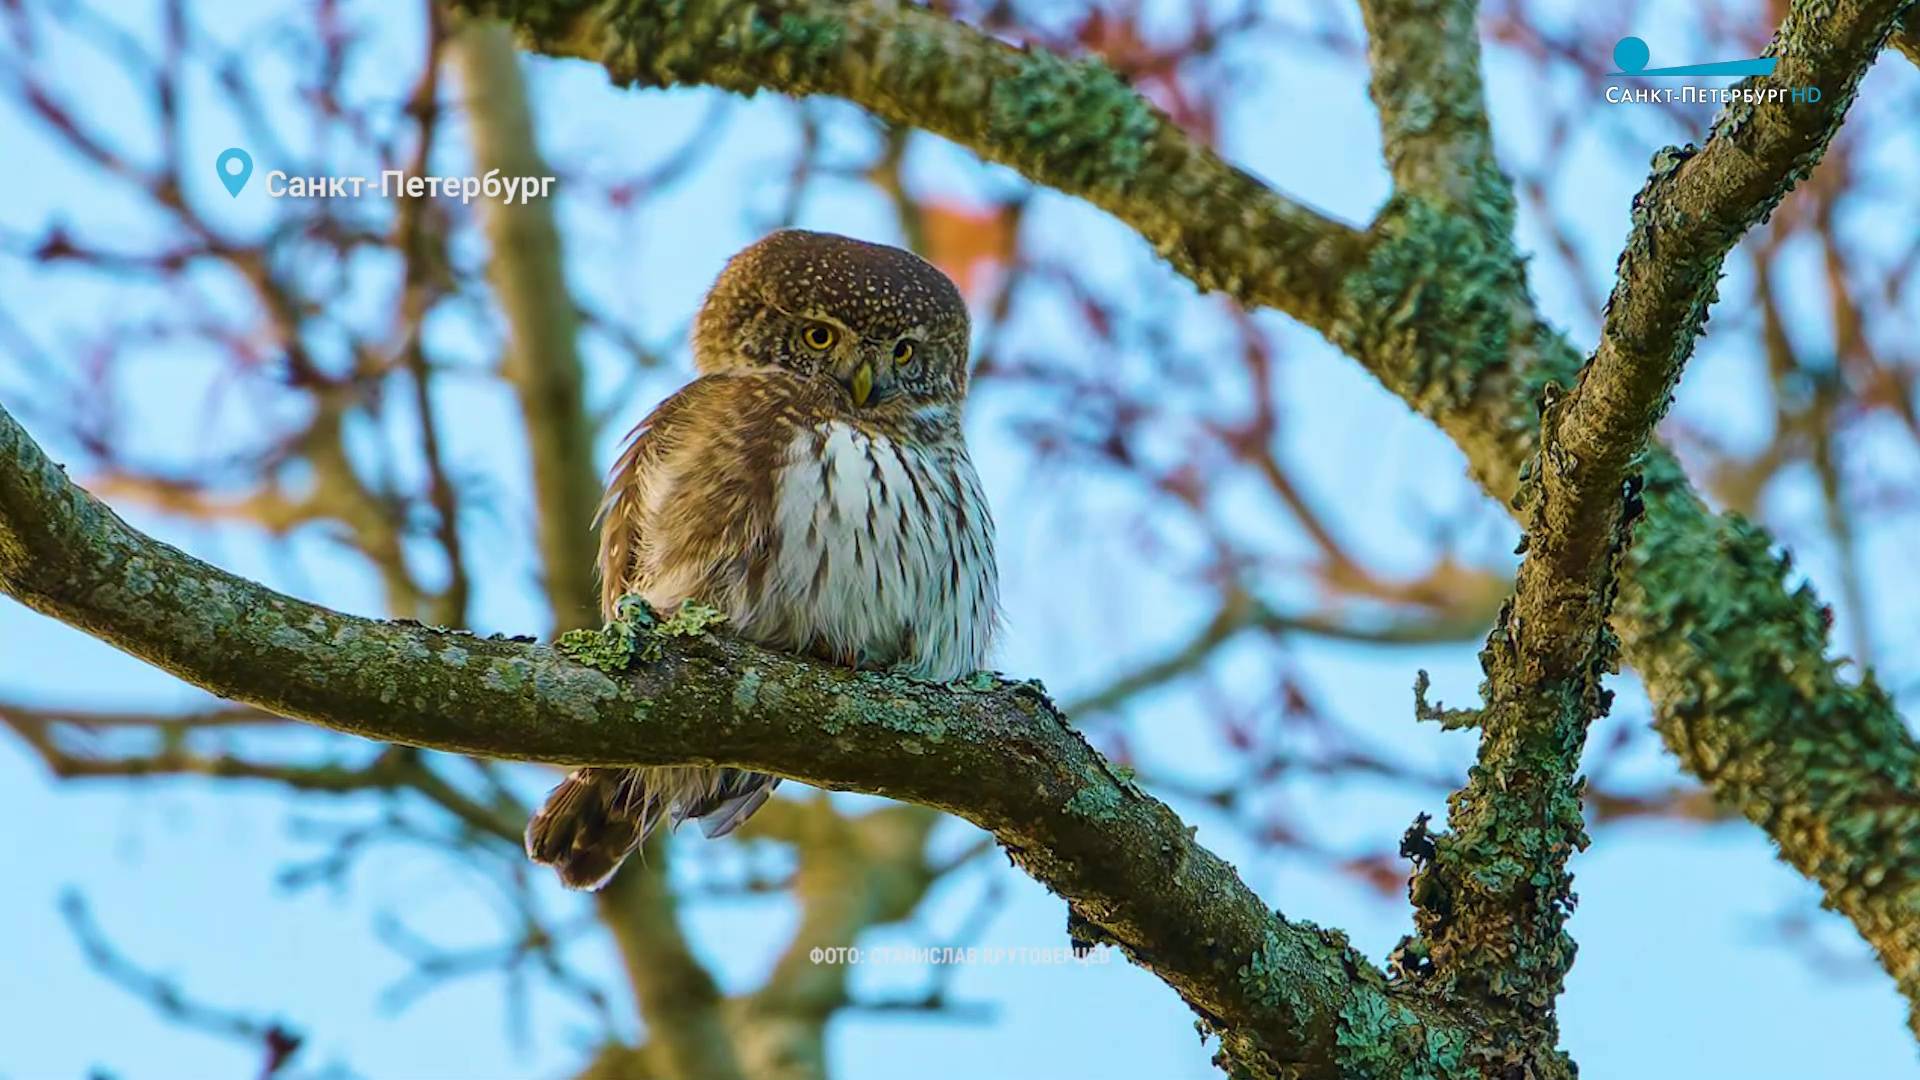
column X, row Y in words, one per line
column 881, row 554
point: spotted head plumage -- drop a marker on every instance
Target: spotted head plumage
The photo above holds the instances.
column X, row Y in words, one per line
column 820, row 303
column 813, row 485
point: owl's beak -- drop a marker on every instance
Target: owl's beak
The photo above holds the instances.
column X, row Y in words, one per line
column 867, row 374
column 861, row 385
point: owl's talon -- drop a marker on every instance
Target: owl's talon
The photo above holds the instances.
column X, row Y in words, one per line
column 634, row 610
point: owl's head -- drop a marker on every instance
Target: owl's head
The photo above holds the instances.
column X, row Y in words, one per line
column 883, row 322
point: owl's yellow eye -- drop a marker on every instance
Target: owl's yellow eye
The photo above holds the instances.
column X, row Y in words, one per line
column 903, row 354
column 819, row 336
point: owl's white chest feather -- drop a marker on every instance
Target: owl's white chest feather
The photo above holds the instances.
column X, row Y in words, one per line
column 883, row 551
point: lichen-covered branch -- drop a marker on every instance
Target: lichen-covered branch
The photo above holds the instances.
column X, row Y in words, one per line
column 1735, row 662
column 1906, row 36
column 1279, row 993
column 1492, row 894
column 1424, row 61
column 1699, row 202
column 1554, row 647
column 1736, row 665
column 1073, row 125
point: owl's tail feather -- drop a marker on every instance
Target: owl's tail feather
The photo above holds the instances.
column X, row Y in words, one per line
column 735, row 795
column 597, row 817
column 591, row 822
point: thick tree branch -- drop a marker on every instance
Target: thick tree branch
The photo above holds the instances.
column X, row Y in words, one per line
column 1744, row 693
column 1276, row 991
column 1736, row 663
column 1493, row 893
column 1698, row 203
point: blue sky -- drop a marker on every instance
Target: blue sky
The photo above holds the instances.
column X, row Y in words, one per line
column 1678, row 973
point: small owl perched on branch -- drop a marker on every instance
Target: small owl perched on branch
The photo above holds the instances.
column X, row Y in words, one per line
column 812, row 484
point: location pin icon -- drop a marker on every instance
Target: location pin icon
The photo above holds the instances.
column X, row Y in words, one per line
column 234, row 166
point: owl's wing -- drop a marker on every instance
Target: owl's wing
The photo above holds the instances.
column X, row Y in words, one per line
column 690, row 500
column 622, row 516
column 619, row 519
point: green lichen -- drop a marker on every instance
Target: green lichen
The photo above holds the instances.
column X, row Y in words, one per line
column 1097, row 801
column 1264, row 977
column 736, row 44
column 1076, row 119
column 139, row 579
column 635, row 612
column 901, row 710
column 1747, row 699
column 538, row 21
column 746, row 692
column 802, row 43
column 609, row 648
column 690, row 620
column 980, row 682
column 1377, row 1038
column 1377, row 1034
column 636, row 631
column 1431, row 312
column 1368, row 1037
column 508, row 676
column 1448, row 719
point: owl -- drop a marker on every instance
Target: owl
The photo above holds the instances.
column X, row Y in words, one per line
column 813, row 485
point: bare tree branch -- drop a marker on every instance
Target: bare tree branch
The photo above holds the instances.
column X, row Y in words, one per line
column 543, row 358
column 686, row 1033
column 278, row 1043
